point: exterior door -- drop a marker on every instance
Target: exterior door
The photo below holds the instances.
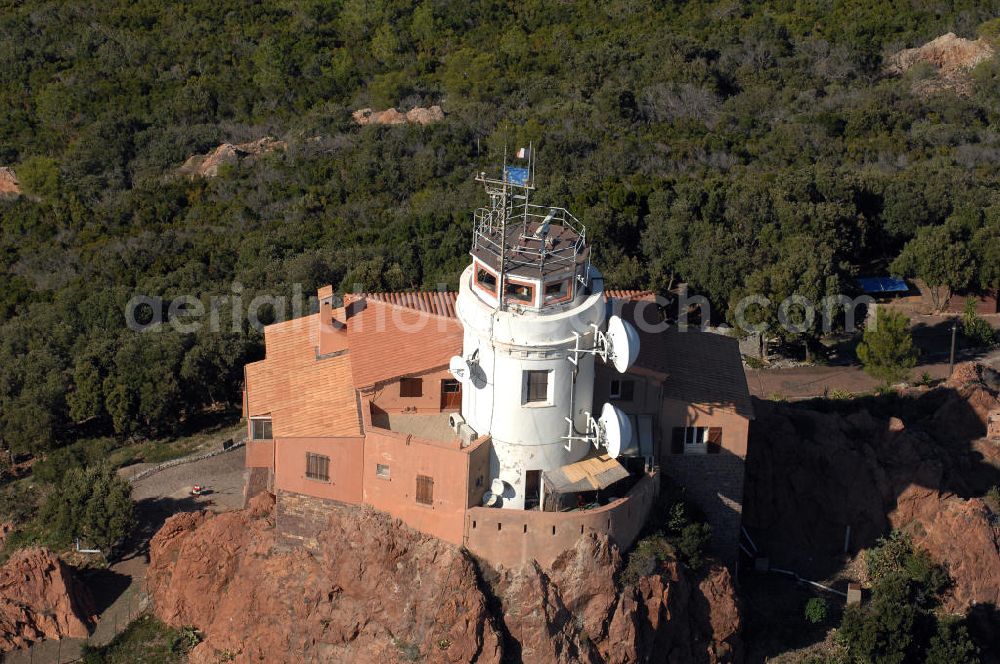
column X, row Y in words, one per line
column 532, row 489
column 451, row 395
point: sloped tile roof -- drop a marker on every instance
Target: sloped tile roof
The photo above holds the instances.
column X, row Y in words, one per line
column 305, row 396
column 391, row 340
column 700, row 367
column 442, row 303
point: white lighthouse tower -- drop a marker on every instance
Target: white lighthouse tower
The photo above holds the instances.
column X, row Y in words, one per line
column 534, row 315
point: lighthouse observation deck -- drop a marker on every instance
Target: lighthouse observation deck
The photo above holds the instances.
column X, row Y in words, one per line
column 529, row 240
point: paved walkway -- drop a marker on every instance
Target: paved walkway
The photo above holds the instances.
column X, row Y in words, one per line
column 120, row 589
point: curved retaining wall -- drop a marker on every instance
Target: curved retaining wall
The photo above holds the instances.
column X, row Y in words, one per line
column 514, row 537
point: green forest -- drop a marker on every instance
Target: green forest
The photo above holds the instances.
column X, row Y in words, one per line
column 739, row 146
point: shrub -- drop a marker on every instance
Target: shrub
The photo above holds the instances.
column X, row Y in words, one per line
column 887, row 350
column 883, row 630
column 816, row 610
column 979, row 332
column 993, row 499
column 952, row 644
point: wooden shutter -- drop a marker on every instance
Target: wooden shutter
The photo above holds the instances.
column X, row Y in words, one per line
column 677, row 441
column 425, row 490
column 411, row 387
column 714, row 440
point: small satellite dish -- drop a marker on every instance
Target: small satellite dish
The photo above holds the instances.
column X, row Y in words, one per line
column 614, row 430
column 498, row 486
column 623, row 344
column 490, row 499
column 459, row 368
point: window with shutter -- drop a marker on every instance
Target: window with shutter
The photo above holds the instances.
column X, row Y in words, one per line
column 411, row 387
column 714, row 441
column 622, row 390
column 677, row 441
column 425, row 490
column 696, row 440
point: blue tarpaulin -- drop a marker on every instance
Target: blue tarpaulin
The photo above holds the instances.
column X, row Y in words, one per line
column 516, row 175
column 873, row 285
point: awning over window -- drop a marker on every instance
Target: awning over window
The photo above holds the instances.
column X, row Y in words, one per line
column 587, row 475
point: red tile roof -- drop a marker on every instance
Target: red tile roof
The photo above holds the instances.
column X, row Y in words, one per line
column 387, row 340
column 305, row 396
column 700, row 367
column 442, row 303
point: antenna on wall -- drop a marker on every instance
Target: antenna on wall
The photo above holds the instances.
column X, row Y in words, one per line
column 612, row 431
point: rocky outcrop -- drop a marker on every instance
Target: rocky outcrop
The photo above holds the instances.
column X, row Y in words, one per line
column 41, row 598
column 420, row 116
column 207, row 165
column 9, row 186
column 378, row 591
column 952, row 58
column 920, row 461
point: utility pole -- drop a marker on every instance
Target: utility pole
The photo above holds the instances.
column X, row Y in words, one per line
column 951, row 360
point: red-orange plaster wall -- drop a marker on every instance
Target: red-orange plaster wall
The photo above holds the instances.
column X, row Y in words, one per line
column 346, row 455
column 408, row 457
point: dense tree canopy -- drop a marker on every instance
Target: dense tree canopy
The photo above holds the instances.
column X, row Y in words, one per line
column 718, row 143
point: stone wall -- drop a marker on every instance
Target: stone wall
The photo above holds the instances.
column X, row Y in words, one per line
column 714, row 482
column 300, row 518
column 255, row 481
column 513, row 538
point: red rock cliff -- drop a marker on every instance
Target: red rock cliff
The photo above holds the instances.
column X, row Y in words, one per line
column 41, row 598
column 919, row 462
column 380, row 592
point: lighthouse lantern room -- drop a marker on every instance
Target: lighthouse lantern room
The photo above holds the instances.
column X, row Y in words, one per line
column 534, row 316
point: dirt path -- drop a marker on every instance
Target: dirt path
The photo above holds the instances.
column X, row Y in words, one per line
column 807, row 382
column 119, row 591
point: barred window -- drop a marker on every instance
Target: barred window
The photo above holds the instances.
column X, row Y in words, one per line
column 425, row 490
column 317, row 467
column 382, row 470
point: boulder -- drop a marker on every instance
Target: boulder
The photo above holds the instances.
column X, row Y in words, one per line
column 208, row 165
column 9, row 186
column 951, row 57
column 41, row 598
column 421, row 116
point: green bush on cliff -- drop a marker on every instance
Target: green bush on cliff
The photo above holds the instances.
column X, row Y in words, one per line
column 900, row 625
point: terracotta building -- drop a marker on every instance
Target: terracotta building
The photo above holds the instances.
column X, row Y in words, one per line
column 468, row 415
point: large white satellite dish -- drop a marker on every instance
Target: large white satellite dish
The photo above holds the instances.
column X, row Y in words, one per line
column 623, row 344
column 459, row 368
column 614, row 430
column 497, row 486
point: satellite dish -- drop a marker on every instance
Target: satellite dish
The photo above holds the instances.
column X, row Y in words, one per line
column 614, row 430
column 459, row 368
column 497, row 486
column 623, row 344
column 490, row 499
